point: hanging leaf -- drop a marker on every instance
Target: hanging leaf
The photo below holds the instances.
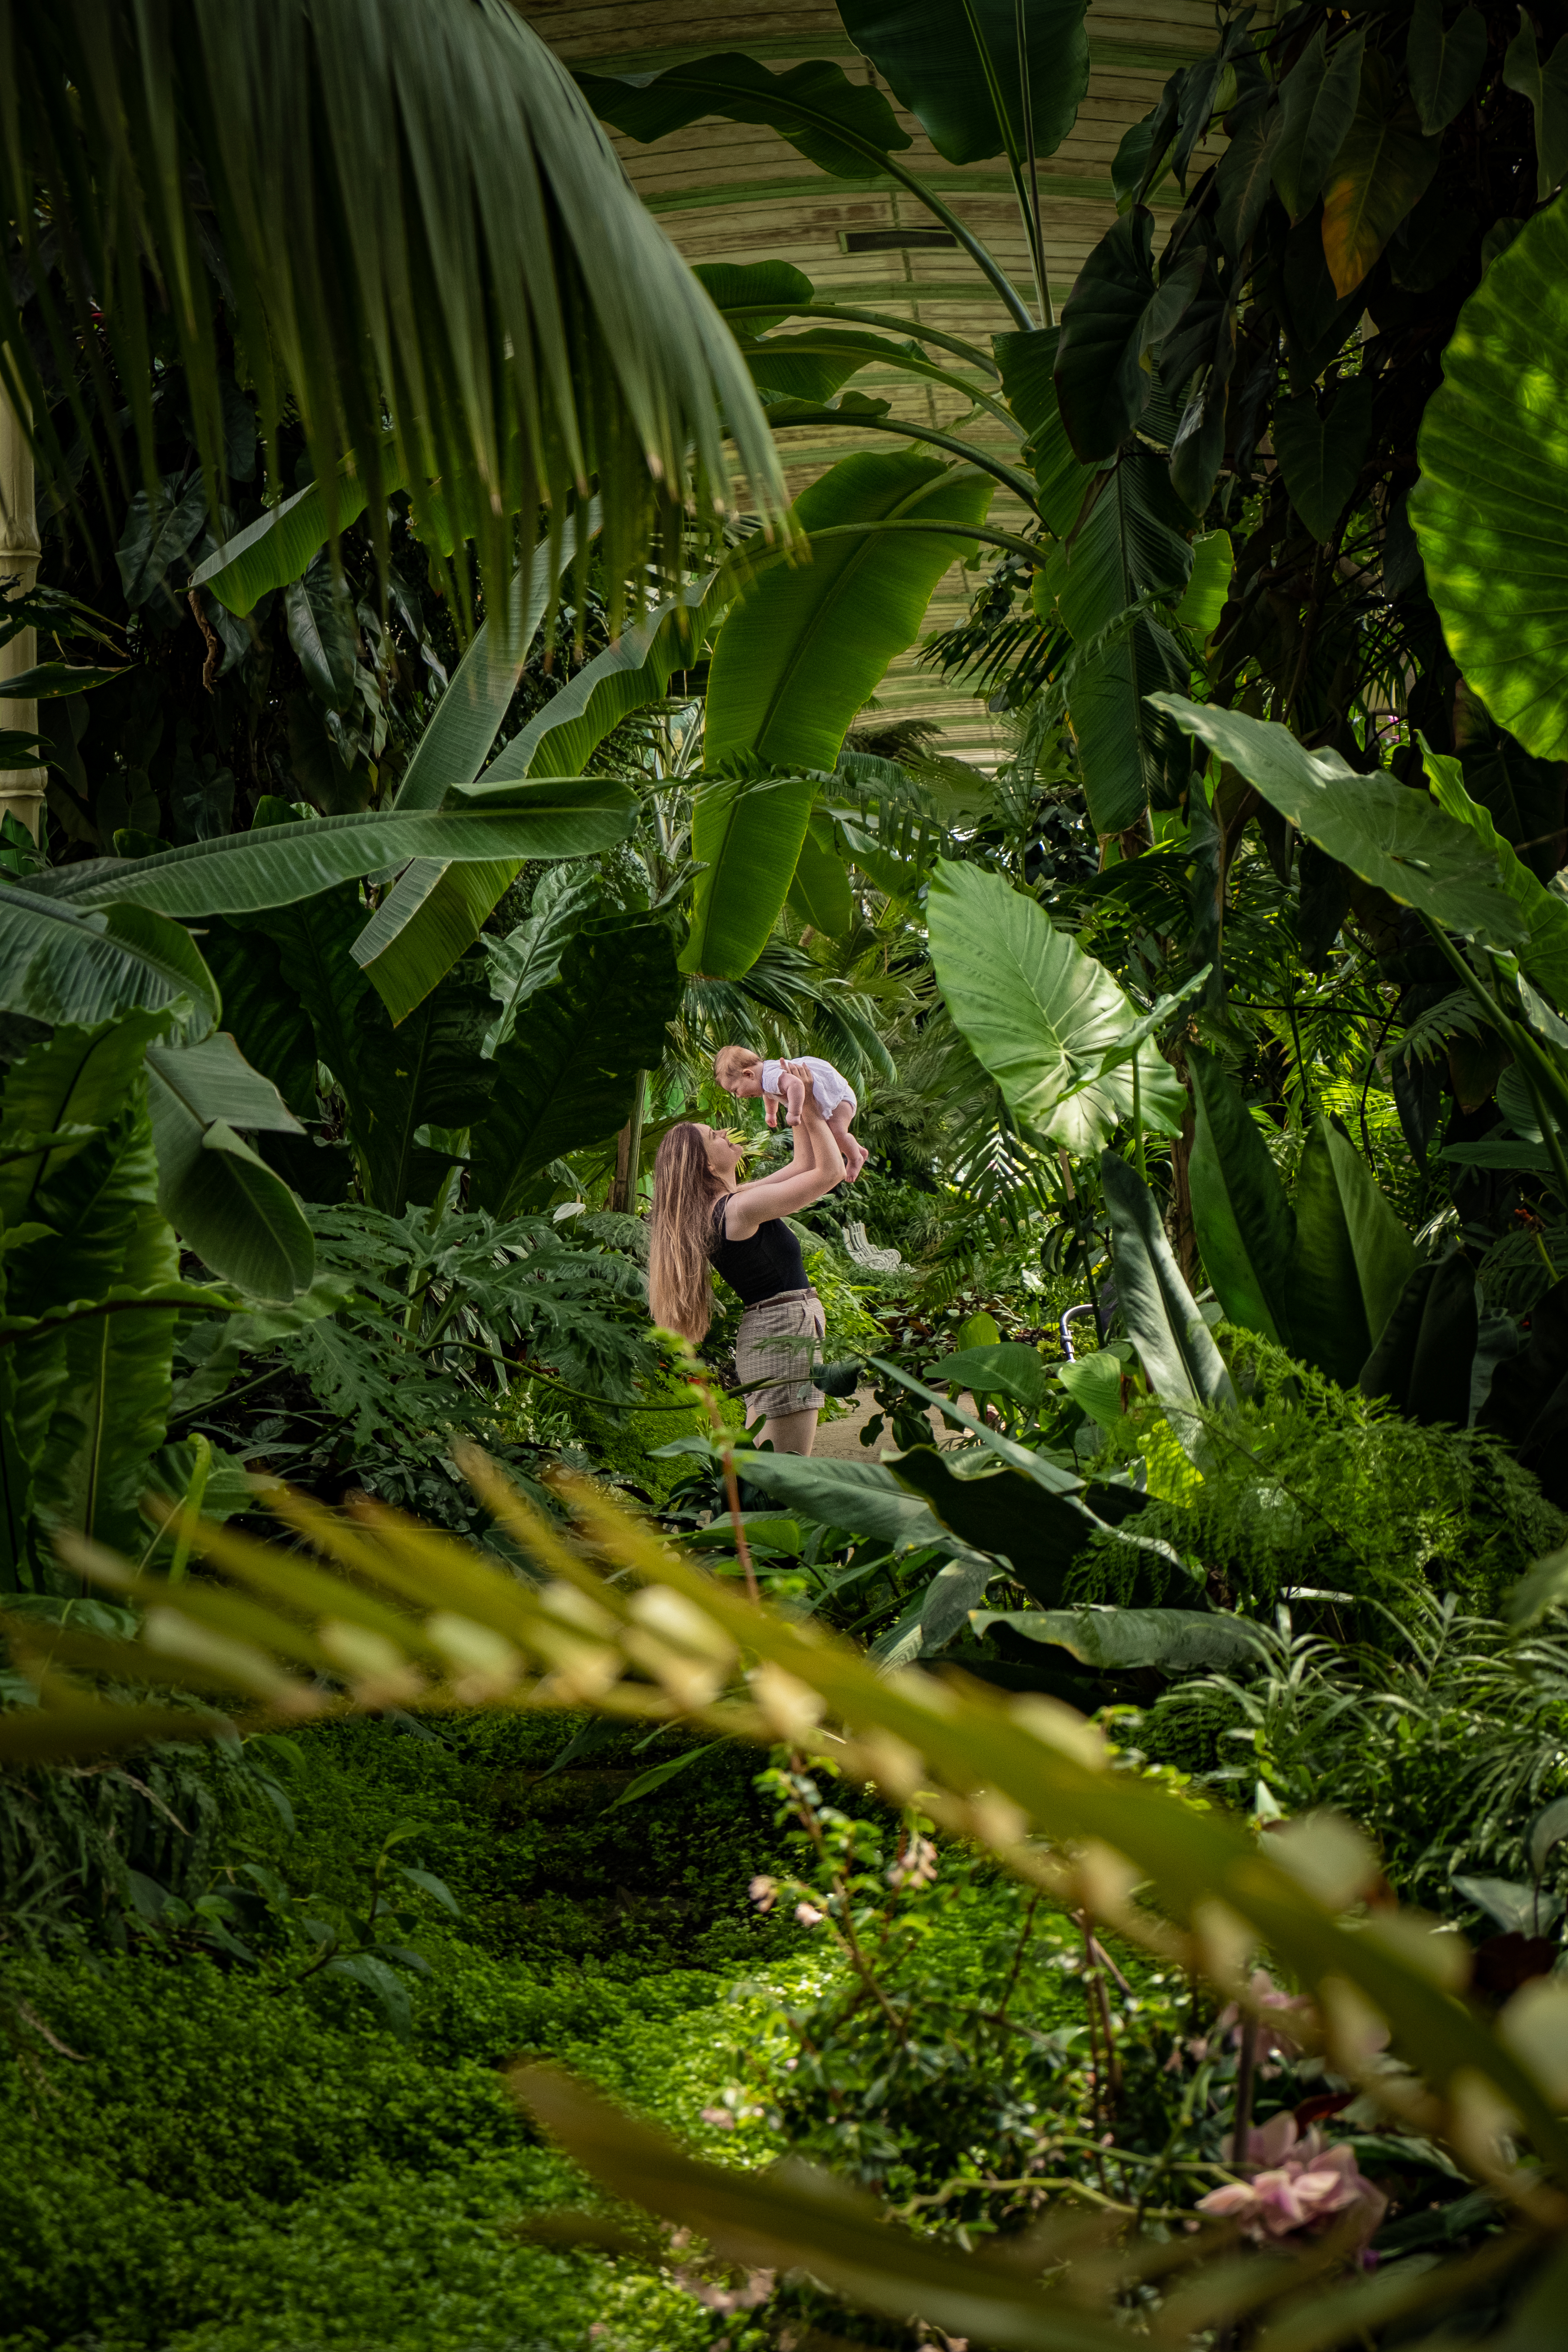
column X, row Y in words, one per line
column 239, row 1217
column 1316, row 107
column 275, row 866
column 59, row 963
column 1423, row 1360
column 629, row 675
column 1547, row 90
column 280, row 546
column 1544, row 955
column 1386, row 833
column 321, row 631
column 931, row 56
column 820, row 893
column 1245, row 1226
column 511, row 306
column 1100, row 379
column 1120, row 1641
column 806, row 645
column 799, row 654
column 1444, row 68
column 1203, row 598
column 1129, row 551
column 158, row 529
column 1351, row 1258
column 1175, row 1348
column 1322, row 457
column 1490, row 509
column 566, row 1078
column 1246, row 174
column 1042, row 1016
column 843, row 127
column 1379, row 176
column 745, row 288
column 1027, row 361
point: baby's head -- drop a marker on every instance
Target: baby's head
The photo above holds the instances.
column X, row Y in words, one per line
column 738, row 1071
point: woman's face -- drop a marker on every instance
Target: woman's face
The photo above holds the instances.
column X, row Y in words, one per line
column 723, row 1156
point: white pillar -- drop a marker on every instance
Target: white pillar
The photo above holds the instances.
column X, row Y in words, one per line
column 21, row 789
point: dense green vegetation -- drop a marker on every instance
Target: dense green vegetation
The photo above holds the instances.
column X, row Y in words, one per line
column 1111, row 1814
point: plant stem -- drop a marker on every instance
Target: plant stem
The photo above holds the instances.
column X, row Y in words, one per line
column 922, row 335
column 1138, row 1123
column 1246, row 2075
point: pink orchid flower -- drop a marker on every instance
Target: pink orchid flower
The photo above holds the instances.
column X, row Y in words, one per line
column 1299, row 2182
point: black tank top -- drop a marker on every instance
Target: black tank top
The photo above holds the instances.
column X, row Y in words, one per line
column 761, row 1267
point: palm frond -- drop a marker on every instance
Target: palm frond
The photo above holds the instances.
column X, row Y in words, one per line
column 417, row 238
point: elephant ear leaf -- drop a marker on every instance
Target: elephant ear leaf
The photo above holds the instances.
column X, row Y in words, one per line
column 1351, row 1258
column 1175, row 1347
column 1490, row 508
column 1545, row 956
column 1245, row 1226
column 1386, row 833
column 1049, row 1023
column 1378, row 177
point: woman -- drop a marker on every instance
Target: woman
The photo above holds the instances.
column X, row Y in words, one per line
column 702, row 1218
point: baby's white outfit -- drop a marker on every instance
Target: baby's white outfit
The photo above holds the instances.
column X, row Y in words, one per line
column 829, row 1087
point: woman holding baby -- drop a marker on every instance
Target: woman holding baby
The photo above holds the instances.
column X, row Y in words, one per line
column 704, row 1219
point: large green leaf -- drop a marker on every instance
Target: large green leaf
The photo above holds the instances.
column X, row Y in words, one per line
column 633, row 672
column 59, row 963
column 1378, row 177
column 567, row 1077
column 1027, row 361
column 277, row 865
column 1175, row 1348
column 434, row 910
column 805, row 645
column 1181, row 1641
column 1546, row 86
column 1490, row 508
column 1130, row 547
column 1386, row 833
column 820, row 892
column 1101, row 382
column 92, row 1394
column 1543, row 955
column 1351, row 1256
column 1444, row 67
column 842, row 127
column 1245, row 1226
column 282, row 544
column 428, row 1072
column 1007, row 1515
column 1317, row 106
column 798, row 655
column 748, row 830
column 953, row 66
column 1320, row 457
column 862, row 1499
column 503, row 297
column 1043, row 1017
column 226, row 1204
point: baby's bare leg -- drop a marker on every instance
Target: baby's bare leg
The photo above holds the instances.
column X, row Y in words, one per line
column 853, row 1156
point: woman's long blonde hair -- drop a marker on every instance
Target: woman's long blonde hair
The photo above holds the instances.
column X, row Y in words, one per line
column 685, row 1188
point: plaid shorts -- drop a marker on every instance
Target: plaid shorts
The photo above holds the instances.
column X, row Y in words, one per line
column 776, row 1352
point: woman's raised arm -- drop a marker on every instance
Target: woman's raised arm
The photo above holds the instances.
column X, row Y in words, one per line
column 818, row 1166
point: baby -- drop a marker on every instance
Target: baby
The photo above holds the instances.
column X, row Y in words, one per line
column 744, row 1074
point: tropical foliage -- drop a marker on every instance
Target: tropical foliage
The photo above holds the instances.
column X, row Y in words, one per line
column 1160, row 1860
